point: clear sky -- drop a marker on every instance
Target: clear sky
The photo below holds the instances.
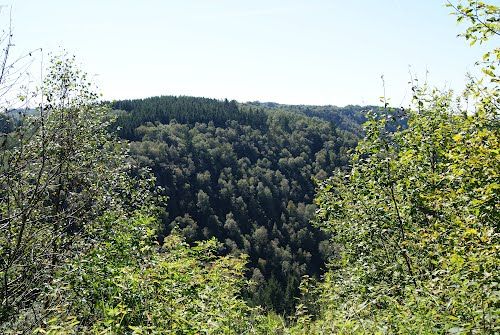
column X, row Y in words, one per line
column 287, row 51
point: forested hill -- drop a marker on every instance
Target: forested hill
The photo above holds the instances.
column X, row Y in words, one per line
column 187, row 110
column 243, row 173
column 349, row 118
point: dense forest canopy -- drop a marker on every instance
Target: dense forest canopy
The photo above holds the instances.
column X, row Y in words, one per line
column 184, row 110
column 349, row 118
column 245, row 175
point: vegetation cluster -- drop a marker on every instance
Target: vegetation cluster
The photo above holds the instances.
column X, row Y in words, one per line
column 180, row 215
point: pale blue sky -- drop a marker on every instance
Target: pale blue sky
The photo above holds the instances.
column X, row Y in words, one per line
column 310, row 52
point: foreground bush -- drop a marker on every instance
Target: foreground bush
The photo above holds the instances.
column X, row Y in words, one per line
column 124, row 284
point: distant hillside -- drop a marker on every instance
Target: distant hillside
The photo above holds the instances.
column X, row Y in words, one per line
column 349, row 118
column 188, row 110
column 10, row 119
column 243, row 173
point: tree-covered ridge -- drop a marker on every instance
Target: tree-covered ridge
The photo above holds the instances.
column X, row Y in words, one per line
column 347, row 119
column 248, row 181
column 182, row 109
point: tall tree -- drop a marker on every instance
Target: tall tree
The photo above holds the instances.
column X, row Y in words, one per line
column 59, row 171
column 415, row 222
